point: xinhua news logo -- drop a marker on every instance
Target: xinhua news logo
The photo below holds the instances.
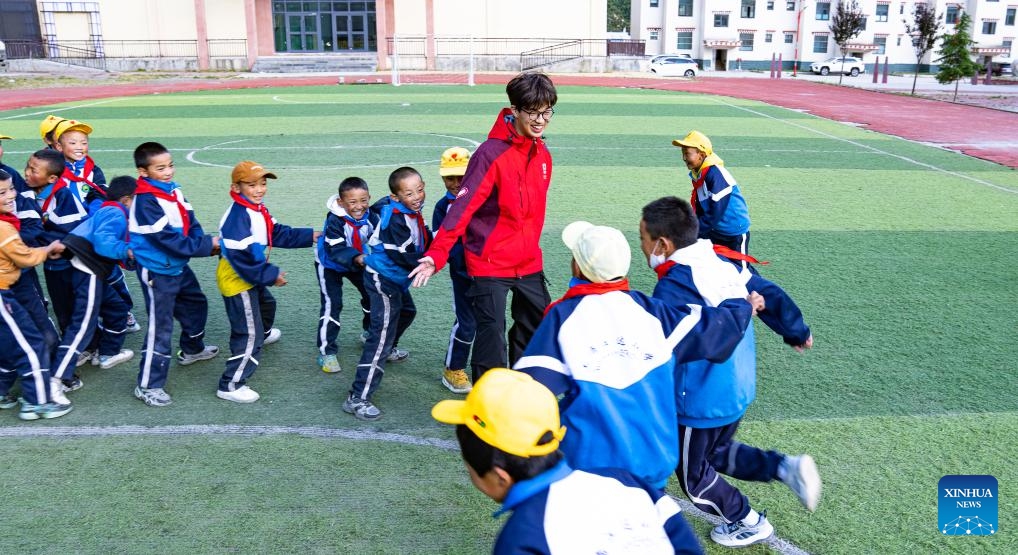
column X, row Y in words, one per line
column 967, row 505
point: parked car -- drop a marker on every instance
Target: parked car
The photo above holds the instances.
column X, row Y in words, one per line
column 663, row 56
column 674, row 66
column 999, row 69
column 853, row 66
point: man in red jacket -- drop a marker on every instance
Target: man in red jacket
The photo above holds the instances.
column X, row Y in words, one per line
column 499, row 213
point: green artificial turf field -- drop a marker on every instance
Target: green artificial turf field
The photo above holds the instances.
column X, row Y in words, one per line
column 900, row 255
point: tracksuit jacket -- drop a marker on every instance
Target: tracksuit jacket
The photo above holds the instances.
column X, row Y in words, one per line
column 336, row 247
column 63, row 209
column 613, row 357
column 246, row 244
column 719, row 205
column 714, row 394
column 499, row 212
column 565, row 511
column 397, row 243
column 158, row 237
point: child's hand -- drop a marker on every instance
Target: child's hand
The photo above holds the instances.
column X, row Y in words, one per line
column 757, row 300
column 280, row 279
column 316, row 235
column 359, row 260
column 807, row 345
column 215, row 246
column 54, row 249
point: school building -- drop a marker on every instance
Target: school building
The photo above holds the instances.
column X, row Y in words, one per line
column 728, row 34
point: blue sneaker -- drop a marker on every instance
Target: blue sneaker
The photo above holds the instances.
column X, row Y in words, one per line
column 329, row 364
column 46, row 410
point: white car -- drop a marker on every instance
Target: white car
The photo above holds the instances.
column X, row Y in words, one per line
column 675, row 66
column 852, row 66
column 663, row 56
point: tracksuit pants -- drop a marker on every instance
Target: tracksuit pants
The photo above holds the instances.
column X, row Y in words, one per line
column 330, row 287
column 61, row 295
column 167, row 298
column 488, row 298
column 392, row 312
column 247, row 311
column 29, row 296
column 116, row 284
column 19, row 357
column 461, row 338
column 32, row 275
column 706, row 452
column 93, row 299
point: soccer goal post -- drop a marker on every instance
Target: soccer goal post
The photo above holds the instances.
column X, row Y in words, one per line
column 443, row 61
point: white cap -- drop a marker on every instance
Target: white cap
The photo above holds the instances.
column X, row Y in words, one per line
column 601, row 252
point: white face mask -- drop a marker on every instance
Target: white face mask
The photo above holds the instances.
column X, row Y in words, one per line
column 655, row 260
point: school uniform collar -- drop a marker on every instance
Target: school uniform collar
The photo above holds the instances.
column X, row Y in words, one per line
column 522, row 491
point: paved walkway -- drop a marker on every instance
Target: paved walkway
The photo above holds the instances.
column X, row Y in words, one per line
column 980, row 132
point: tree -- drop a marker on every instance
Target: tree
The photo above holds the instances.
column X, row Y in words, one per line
column 618, row 15
column 924, row 28
column 846, row 24
column 956, row 54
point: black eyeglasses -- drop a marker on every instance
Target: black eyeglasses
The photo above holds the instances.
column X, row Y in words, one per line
column 533, row 115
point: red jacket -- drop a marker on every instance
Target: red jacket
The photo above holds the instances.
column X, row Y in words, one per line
column 499, row 212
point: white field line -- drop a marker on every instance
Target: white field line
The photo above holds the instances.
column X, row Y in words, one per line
column 470, row 143
column 774, row 542
column 874, row 149
column 55, row 110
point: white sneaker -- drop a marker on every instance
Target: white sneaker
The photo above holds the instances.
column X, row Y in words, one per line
column 802, row 477
column 740, row 534
column 109, row 361
column 84, row 358
column 272, row 336
column 56, row 392
column 243, row 394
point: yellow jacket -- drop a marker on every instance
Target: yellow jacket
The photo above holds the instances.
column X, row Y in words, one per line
column 15, row 255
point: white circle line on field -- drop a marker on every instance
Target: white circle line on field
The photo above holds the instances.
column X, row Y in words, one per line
column 774, row 542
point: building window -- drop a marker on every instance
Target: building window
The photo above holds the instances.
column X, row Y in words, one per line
column 899, row 40
column 1007, row 44
column 901, row 9
column 721, row 20
column 770, row 5
column 747, row 41
column 881, row 43
column 789, row 38
column 685, row 8
column 684, row 40
column 653, row 3
column 989, row 27
column 863, row 28
column 769, row 37
column 789, row 6
column 820, row 44
column 654, row 35
column 882, row 12
column 823, row 12
column 951, row 16
column 1009, row 18
column 748, row 9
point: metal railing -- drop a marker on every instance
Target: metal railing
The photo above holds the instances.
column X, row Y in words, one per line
column 55, row 52
column 540, row 57
column 75, row 51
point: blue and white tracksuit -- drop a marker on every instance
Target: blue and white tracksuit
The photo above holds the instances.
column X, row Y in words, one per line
column 606, row 510
column 612, row 355
column 465, row 325
column 721, row 209
column 399, row 240
column 334, row 261
column 162, row 250
column 246, row 246
column 63, row 209
column 712, row 397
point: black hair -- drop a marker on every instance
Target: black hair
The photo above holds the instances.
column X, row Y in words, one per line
column 482, row 457
column 4, row 176
column 352, row 183
column 145, row 152
column 53, row 161
column 531, row 90
column 672, row 218
column 121, row 186
column 399, row 174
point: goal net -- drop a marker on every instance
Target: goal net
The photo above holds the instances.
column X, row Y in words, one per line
column 451, row 63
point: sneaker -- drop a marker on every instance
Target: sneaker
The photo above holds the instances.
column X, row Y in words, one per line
column 46, row 410
column 362, row 409
column 242, row 394
column 272, row 336
column 56, row 392
column 73, row 384
column 153, row 397
column 132, row 323
column 84, row 358
column 109, row 361
column 456, row 380
column 185, row 359
column 8, row 401
column 397, row 355
column 329, row 364
column 801, row 476
column 740, row 534
column 363, row 337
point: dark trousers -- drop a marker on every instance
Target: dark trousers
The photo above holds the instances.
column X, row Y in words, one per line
column 32, row 276
column 488, row 298
column 330, row 288
column 93, row 299
column 463, row 329
column 21, row 341
column 705, row 452
column 392, row 312
column 115, row 294
column 61, row 295
column 246, row 311
column 168, row 298
column 29, row 296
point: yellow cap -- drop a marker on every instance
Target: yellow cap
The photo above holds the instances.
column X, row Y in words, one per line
column 70, row 125
column 48, row 125
column 4, row 137
column 249, row 172
column 696, row 140
column 454, row 161
column 508, row 410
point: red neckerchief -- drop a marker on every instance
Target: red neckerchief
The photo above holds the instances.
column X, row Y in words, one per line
column 421, row 228
column 591, row 289
column 662, row 268
column 89, row 168
column 736, row 255
column 357, row 243
column 11, row 219
column 145, row 187
column 697, row 183
column 261, row 209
